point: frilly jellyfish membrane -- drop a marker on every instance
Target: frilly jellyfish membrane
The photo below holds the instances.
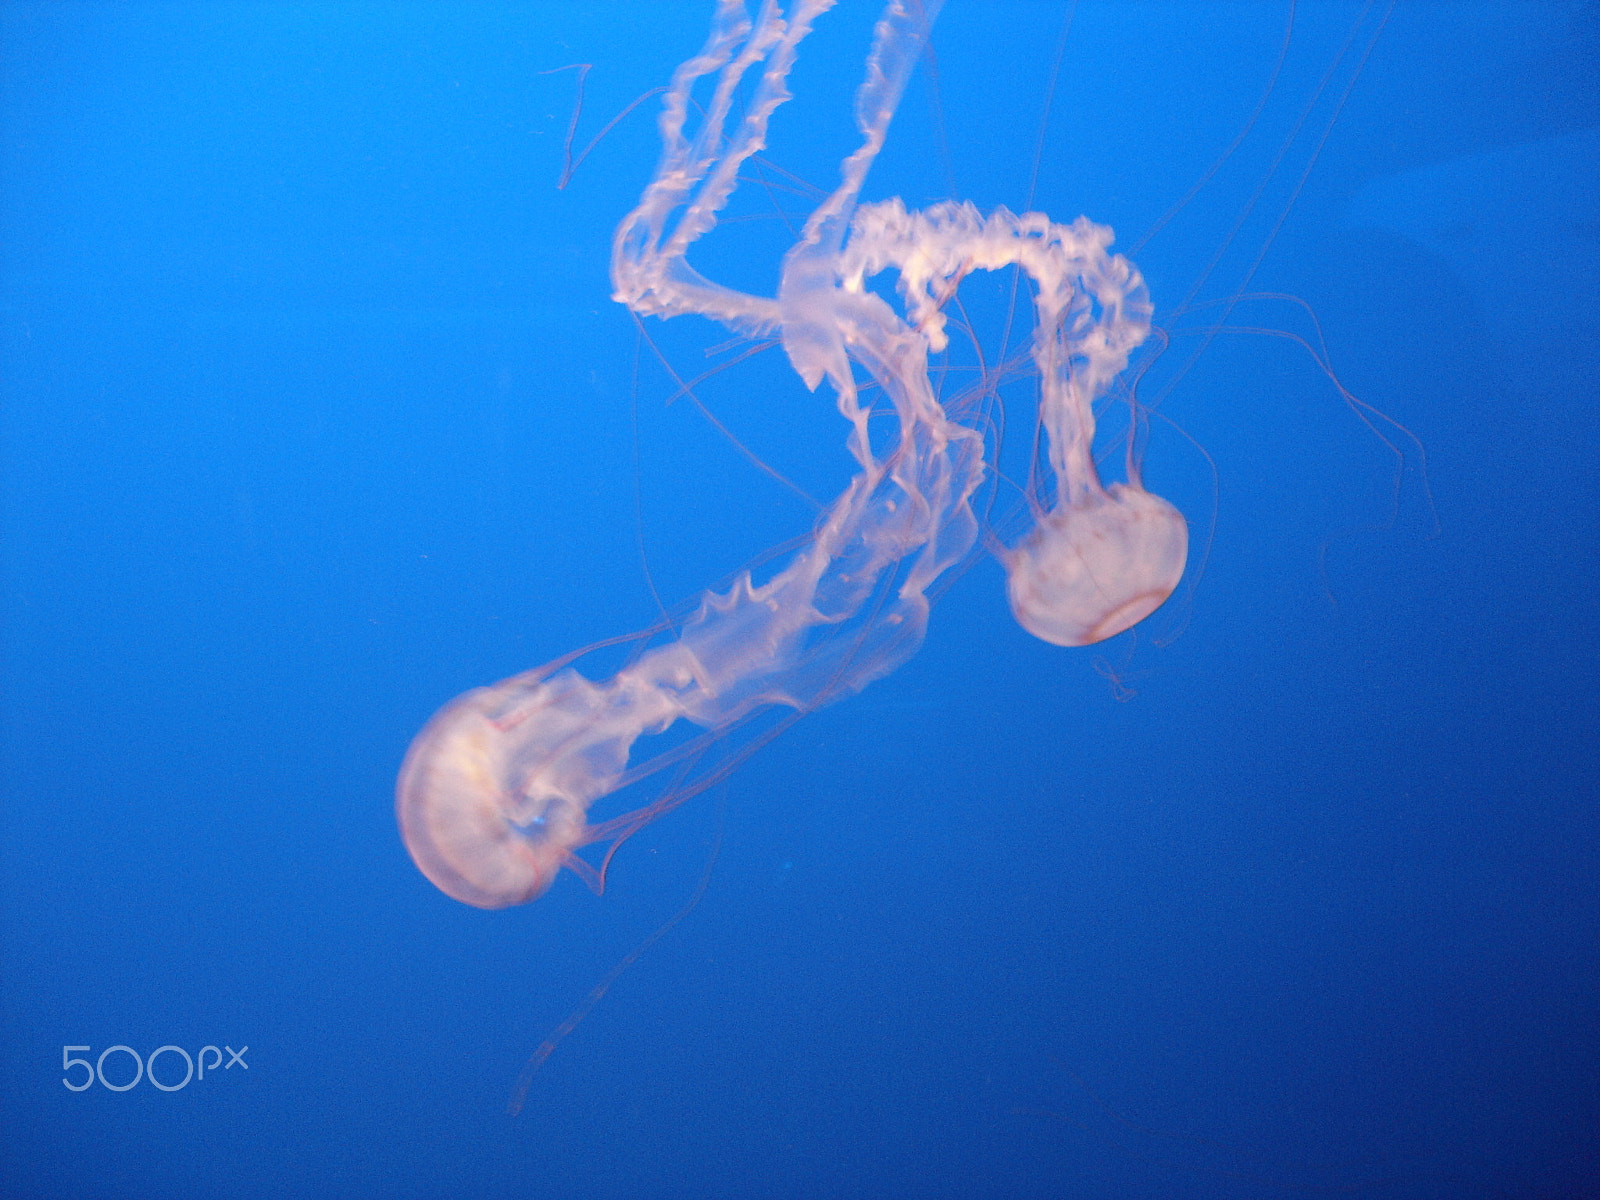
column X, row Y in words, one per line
column 494, row 795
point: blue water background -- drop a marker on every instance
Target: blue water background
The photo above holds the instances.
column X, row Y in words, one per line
column 318, row 413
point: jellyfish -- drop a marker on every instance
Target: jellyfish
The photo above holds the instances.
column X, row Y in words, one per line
column 494, row 795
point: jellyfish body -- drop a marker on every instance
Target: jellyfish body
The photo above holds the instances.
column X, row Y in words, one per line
column 493, row 797
column 1102, row 559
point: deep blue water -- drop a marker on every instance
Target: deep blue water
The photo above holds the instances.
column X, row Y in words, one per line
column 318, row 413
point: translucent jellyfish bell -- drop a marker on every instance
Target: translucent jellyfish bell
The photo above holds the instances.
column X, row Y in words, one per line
column 492, row 796
column 1098, row 565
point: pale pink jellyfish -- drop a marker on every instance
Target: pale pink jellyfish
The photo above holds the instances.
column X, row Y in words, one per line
column 494, row 795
